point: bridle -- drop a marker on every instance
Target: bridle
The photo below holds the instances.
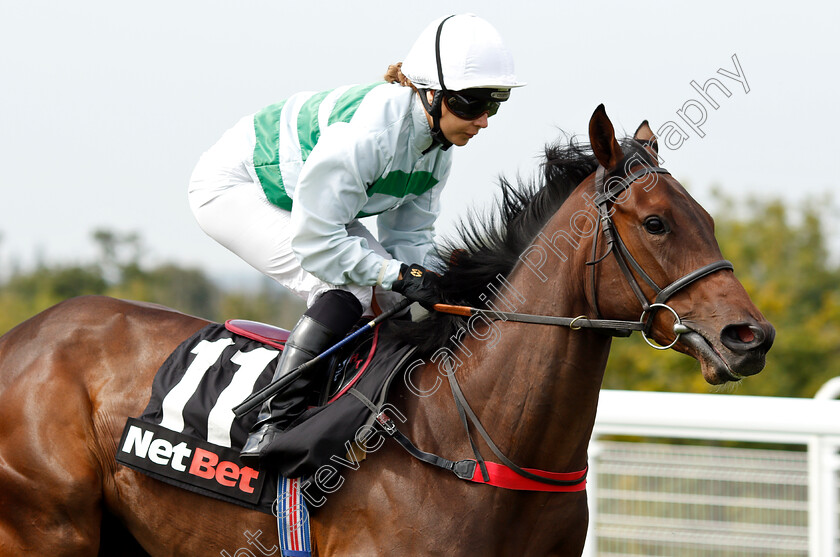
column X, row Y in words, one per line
column 608, row 187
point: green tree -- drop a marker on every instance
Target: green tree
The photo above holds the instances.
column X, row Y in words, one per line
column 269, row 304
column 119, row 272
column 186, row 289
column 118, row 251
column 25, row 294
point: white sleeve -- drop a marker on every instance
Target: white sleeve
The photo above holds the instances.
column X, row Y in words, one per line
column 330, row 192
column 407, row 232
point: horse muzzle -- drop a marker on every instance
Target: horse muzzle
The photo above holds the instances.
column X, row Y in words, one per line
column 738, row 351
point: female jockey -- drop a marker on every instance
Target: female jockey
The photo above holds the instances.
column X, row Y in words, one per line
column 283, row 189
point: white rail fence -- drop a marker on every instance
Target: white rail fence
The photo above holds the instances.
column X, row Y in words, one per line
column 687, row 491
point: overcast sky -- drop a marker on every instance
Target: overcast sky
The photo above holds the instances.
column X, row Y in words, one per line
column 107, row 105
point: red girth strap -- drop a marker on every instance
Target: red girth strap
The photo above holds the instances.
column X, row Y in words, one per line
column 502, row 476
column 498, row 475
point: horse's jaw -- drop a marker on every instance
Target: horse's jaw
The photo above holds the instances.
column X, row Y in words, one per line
column 713, row 365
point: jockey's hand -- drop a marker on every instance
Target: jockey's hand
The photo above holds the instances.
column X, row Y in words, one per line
column 418, row 284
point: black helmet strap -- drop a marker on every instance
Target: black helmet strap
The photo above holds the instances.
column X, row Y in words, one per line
column 435, row 108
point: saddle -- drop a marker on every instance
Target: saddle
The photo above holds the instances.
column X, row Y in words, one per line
column 339, row 373
column 268, row 334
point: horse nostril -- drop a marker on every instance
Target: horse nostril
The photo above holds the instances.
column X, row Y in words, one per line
column 742, row 336
column 745, row 333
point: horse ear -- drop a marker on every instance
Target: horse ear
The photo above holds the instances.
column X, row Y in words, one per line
column 602, row 137
column 645, row 136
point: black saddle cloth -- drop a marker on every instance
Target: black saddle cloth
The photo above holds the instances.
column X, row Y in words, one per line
column 191, row 403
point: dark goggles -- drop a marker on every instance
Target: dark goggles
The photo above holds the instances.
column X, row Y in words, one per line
column 472, row 103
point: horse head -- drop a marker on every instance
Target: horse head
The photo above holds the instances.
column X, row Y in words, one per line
column 658, row 253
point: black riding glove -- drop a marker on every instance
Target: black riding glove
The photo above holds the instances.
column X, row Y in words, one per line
column 418, row 284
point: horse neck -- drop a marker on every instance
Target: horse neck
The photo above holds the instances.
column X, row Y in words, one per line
column 535, row 387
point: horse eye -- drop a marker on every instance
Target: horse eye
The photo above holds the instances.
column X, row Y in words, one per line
column 655, row 225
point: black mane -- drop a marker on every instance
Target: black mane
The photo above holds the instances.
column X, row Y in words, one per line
column 488, row 247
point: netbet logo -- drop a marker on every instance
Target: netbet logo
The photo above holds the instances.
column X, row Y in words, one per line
column 189, row 460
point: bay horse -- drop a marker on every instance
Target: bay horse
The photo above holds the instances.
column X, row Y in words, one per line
column 570, row 245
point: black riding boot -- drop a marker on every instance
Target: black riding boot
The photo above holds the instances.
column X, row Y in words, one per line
column 328, row 320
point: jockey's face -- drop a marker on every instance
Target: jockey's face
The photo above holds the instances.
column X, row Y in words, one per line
column 457, row 130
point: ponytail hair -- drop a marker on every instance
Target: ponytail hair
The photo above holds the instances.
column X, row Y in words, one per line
column 394, row 75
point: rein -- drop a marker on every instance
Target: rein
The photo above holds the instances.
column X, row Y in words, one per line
column 575, row 323
column 538, row 480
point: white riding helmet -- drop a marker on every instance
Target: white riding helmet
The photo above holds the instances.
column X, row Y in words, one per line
column 472, row 55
